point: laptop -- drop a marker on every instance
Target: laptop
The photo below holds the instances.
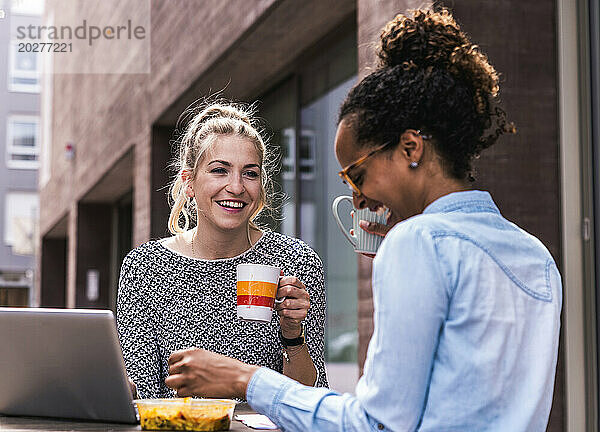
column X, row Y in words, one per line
column 63, row 363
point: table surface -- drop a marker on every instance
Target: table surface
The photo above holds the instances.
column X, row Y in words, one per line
column 24, row 424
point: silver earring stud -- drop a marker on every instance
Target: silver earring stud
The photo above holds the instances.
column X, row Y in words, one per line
column 413, row 165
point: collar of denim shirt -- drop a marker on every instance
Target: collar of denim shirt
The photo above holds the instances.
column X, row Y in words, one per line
column 473, row 201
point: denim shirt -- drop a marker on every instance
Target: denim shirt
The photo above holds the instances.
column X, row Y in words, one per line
column 466, row 326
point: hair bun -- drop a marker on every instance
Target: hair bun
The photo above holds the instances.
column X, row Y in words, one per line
column 434, row 39
column 220, row 110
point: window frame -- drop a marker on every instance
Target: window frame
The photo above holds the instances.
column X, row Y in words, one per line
column 11, row 149
column 308, row 165
column 17, row 9
column 16, row 73
column 8, row 236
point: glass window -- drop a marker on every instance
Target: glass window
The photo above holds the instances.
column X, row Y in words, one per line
column 14, row 296
column 279, row 111
column 24, row 74
column 27, row 7
column 22, row 149
column 308, row 177
column 20, row 219
column 324, row 83
column 320, row 184
column 307, row 155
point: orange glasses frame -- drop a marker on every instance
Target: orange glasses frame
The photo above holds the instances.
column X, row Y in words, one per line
column 344, row 173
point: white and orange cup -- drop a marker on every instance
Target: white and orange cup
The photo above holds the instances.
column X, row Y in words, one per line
column 256, row 291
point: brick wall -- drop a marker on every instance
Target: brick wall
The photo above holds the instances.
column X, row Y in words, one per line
column 105, row 116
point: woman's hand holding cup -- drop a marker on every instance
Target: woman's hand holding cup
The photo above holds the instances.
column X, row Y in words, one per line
column 374, row 228
column 292, row 304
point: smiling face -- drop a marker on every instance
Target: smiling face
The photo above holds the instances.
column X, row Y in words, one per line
column 227, row 186
column 384, row 179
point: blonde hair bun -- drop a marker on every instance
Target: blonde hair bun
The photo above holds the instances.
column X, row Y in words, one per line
column 228, row 111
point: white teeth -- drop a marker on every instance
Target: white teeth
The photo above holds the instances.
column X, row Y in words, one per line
column 232, row 204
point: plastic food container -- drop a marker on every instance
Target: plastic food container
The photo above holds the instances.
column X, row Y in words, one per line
column 185, row 414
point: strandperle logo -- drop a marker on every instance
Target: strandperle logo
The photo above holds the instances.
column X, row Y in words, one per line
column 84, row 31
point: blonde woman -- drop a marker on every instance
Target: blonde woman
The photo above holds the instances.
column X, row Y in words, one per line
column 180, row 292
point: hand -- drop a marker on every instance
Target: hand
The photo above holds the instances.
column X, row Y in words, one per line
column 377, row 228
column 374, row 228
column 197, row 372
column 293, row 310
column 132, row 387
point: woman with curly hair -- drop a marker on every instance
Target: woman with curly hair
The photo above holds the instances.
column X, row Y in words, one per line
column 466, row 304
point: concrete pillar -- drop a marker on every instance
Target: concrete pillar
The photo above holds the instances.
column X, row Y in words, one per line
column 71, row 255
column 142, row 190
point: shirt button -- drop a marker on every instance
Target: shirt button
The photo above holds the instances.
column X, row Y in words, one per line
column 380, row 426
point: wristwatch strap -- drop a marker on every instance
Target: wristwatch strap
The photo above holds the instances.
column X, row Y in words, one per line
column 292, row 342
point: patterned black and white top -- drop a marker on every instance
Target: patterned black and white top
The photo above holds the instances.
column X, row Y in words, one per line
column 168, row 302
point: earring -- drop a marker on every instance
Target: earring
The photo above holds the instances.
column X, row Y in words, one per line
column 413, row 165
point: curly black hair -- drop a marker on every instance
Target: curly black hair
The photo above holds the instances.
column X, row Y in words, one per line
column 430, row 78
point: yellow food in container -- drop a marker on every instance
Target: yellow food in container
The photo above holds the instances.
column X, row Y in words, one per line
column 185, row 414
